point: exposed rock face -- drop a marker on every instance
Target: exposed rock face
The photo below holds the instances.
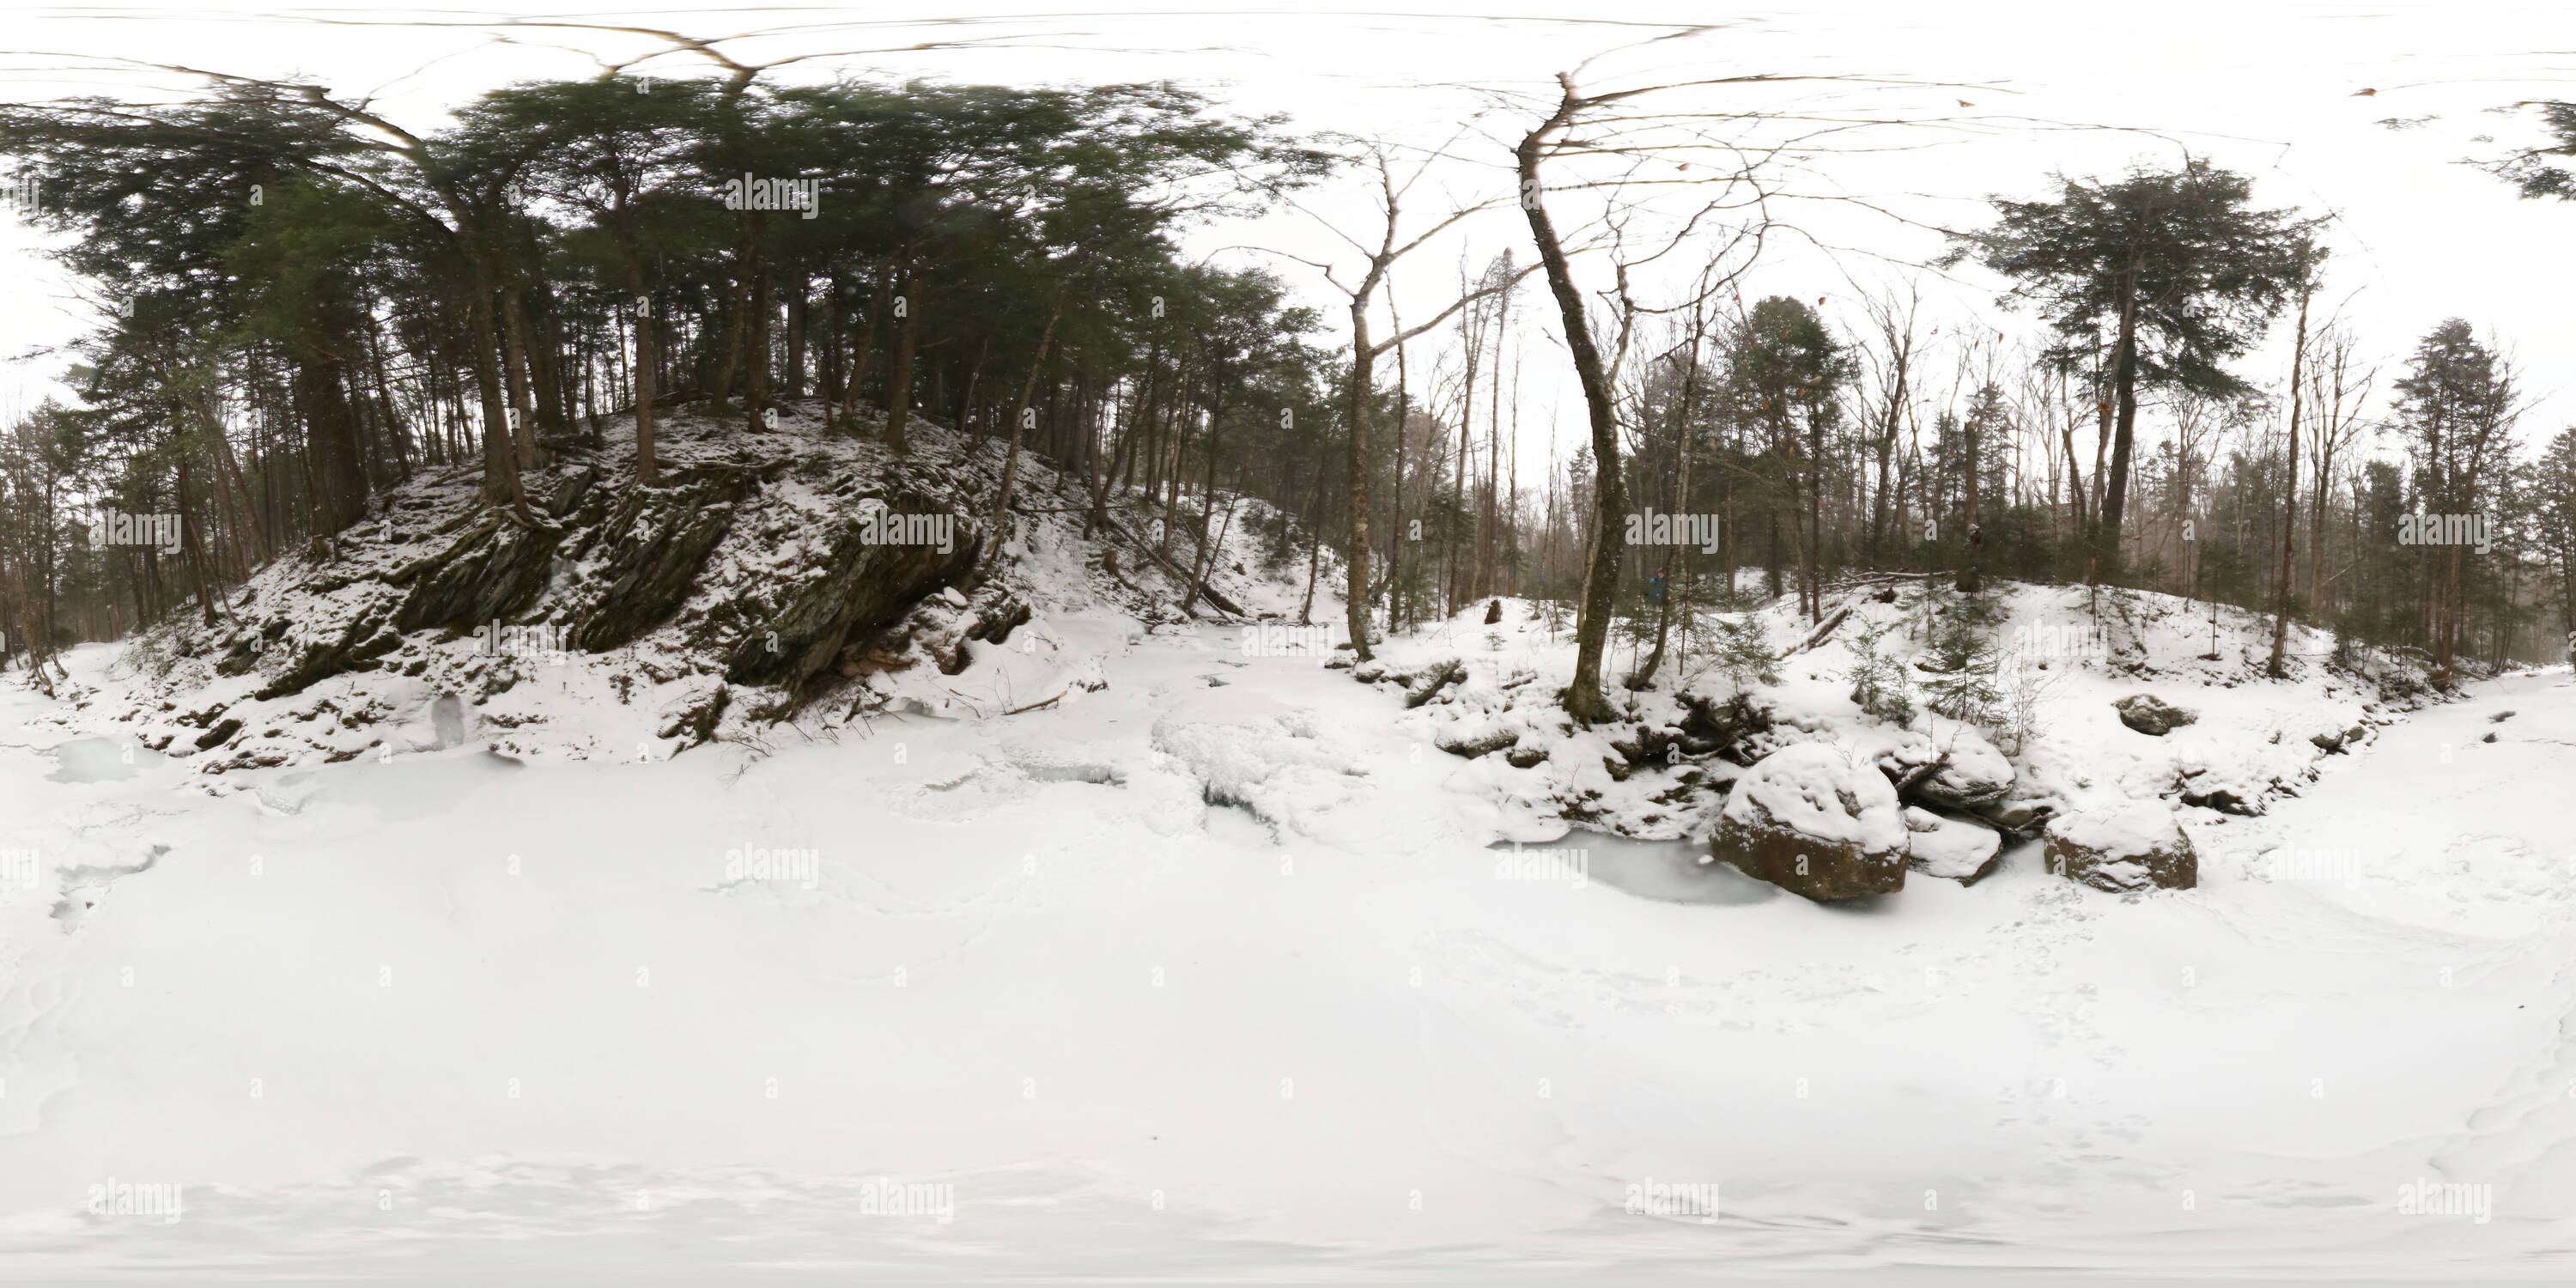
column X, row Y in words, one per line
column 2149, row 714
column 1962, row 850
column 2136, row 847
column 364, row 639
column 490, row 573
column 569, row 493
column 863, row 585
column 657, row 541
column 1809, row 818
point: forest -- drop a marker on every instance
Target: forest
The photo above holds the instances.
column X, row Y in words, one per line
column 304, row 304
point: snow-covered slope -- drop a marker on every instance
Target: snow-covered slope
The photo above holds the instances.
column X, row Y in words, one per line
column 1229, row 970
column 374, row 647
column 1223, row 979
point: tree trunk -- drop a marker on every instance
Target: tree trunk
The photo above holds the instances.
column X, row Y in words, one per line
column 647, row 467
column 1583, row 699
column 2124, row 391
column 2290, row 503
column 500, row 466
column 339, row 483
column 1363, row 378
column 899, row 377
column 1019, row 419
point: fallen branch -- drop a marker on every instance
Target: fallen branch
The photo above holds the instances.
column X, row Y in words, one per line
column 1035, row 705
column 1209, row 593
column 1818, row 636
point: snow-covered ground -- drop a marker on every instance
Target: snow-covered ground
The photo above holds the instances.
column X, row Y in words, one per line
column 1217, row 972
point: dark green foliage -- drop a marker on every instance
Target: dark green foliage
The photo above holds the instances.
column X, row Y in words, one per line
column 1741, row 651
column 1959, row 668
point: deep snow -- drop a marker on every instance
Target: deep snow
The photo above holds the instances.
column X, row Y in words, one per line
column 1217, row 972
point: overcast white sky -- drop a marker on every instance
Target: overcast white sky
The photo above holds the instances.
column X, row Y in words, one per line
column 2267, row 89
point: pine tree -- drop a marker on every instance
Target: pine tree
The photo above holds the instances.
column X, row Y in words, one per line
column 1880, row 685
column 1743, row 652
column 1961, row 666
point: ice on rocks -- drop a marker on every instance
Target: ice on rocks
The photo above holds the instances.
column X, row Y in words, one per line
column 1282, row 762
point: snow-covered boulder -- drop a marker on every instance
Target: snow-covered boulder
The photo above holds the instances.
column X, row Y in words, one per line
column 1963, row 850
column 1477, row 735
column 2151, row 715
column 1812, row 819
column 1946, row 765
column 2134, row 847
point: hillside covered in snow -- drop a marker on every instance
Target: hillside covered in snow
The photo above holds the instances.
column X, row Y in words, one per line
column 1112, row 936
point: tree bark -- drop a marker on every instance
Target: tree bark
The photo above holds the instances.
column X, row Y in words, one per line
column 2290, row 503
column 1583, row 698
column 1019, row 418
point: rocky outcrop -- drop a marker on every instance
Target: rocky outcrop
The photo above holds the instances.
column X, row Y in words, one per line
column 655, row 543
column 2138, row 846
column 1810, row 819
column 488, row 574
column 365, row 638
column 860, row 585
column 2151, row 715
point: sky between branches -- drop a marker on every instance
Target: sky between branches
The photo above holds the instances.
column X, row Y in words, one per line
column 2270, row 90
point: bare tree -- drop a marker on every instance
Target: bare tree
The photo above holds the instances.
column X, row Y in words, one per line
column 2290, row 490
column 1362, row 292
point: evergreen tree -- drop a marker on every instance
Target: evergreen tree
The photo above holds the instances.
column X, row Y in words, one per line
column 2155, row 280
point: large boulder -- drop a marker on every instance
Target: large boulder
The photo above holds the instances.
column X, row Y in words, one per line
column 1812, row 819
column 1962, row 850
column 2151, row 715
column 2138, row 846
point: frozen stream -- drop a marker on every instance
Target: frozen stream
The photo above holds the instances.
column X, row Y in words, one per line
column 449, row 1018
